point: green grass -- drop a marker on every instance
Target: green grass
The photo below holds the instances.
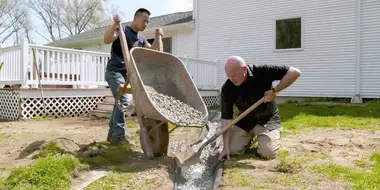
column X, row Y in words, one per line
column 290, row 164
column 357, row 178
column 54, row 170
column 296, row 118
column 112, row 155
column 51, row 172
column 3, row 184
column 119, row 180
column 50, row 149
column 40, row 118
column 132, row 123
column 237, row 177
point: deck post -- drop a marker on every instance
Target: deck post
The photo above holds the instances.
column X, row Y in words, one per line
column 82, row 71
column 24, row 63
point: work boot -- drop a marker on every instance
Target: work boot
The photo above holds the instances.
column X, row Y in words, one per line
column 117, row 141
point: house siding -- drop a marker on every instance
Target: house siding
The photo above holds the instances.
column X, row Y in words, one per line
column 246, row 28
column 370, row 48
column 184, row 44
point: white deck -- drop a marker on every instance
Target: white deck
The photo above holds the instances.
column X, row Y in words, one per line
column 69, row 68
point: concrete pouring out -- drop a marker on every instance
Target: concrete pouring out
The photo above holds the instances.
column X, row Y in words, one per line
column 201, row 175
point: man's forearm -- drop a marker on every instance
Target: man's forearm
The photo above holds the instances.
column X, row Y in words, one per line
column 108, row 36
column 227, row 134
column 290, row 77
column 157, row 44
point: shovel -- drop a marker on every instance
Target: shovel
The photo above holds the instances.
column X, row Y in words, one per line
column 190, row 157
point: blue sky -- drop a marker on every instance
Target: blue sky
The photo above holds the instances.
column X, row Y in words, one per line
column 156, row 7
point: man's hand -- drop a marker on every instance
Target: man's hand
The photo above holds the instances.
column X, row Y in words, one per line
column 116, row 19
column 269, row 96
column 225, row 153
column 159, row 32
column 110, row 35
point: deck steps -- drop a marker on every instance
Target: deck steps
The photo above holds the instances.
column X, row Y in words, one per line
column 104, row 109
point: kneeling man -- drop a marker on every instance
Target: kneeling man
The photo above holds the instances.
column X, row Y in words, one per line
column 244, row 87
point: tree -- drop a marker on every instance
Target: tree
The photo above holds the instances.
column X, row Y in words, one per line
column 12, row 17
column 64, row 18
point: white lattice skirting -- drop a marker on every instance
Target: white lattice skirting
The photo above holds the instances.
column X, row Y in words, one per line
column 58, row 107
column 13, row 107
column 210, row 100
column 9, row 104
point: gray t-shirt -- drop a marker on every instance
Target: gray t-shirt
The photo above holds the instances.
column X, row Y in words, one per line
column 134, row 39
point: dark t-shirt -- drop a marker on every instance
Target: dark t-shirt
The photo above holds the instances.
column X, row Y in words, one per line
column 134, row 39
column 259, row 81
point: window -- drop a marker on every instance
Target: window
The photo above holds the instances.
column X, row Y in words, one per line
column 167, row 43
column 288, row 33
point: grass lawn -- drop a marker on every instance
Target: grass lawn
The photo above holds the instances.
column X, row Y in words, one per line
column 296, row 118
column 56, row 171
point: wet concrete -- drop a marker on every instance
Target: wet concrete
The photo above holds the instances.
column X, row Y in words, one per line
column 206, row 174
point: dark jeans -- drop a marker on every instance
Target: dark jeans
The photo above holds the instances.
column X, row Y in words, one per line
column 117, row 121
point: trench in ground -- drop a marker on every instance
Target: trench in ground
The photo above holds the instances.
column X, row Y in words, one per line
column 206, row 174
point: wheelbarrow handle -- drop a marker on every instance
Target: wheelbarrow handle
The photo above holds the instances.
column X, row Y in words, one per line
column 127, row 59
column 233, row 122
column 124, row 45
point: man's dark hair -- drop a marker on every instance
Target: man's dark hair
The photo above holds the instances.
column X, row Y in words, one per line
column 142, row 10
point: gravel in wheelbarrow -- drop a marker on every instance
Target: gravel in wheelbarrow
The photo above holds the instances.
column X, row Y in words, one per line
column 181, row 113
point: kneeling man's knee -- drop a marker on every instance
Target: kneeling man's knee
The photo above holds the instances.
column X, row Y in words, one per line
column 268, row 147
column 267, row 153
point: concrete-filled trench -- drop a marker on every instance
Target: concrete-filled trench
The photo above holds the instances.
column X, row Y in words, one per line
column 206, row 174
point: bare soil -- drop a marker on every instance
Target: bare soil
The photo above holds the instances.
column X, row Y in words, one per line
column 319, row 147
column 18, row 141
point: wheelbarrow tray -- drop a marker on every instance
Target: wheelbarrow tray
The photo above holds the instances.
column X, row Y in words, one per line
column 151, row 70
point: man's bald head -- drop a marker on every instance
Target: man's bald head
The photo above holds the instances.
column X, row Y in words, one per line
column 236, row 69
column 234, row 62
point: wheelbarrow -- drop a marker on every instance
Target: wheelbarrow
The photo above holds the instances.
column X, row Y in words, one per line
column 155, row 71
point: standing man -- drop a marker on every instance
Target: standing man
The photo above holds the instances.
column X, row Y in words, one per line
column 244, row 87
column 116, row 71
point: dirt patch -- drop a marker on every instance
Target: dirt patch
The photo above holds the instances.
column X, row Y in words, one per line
column 298, row 154
column 341, row 147
column 291, row 169
column 21, row 140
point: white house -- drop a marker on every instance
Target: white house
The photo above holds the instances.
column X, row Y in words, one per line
column 337, row 49
column 335, row 44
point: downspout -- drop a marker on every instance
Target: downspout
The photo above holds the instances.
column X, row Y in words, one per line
column 197, row 25
column 357, row 98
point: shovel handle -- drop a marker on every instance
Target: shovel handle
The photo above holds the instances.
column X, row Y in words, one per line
column 233, row 122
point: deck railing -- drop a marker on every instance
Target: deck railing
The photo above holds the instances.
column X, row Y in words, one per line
column 204, row 73
column 76, row 68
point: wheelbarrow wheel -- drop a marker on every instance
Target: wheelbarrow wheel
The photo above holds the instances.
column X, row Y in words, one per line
column 159, row 137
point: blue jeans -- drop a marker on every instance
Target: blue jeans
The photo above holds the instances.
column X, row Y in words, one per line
column 117, row 120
